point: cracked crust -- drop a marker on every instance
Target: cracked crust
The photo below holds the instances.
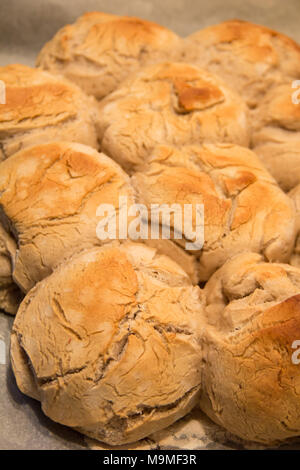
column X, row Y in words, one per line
column 99, row 50
column 276, row 135
column 259, row 57
column 109, row 343
column 250, row 384
column 244, row 209
column 49, row 195
column 265, row 64
column 42, row 108
column 170, row 103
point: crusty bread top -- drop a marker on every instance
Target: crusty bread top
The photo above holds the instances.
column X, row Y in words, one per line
column 116, row 350
column 250, row 57
column 38, row 104
column 243, row 289
column 244, row 209
column 261, row 65
column 49, row 196
column 171, row 103
column 100, row 50
column 262, row 42
column 251, row 384
column 277, row 119
column 279, row 151
column 34, row 99
column 276, row 135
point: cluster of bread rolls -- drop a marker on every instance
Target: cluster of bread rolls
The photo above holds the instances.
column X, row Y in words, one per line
column 119, row 339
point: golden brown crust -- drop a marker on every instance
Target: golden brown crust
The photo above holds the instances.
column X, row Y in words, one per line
column 276, row 135
column 244, row 209
column 107, row 315
column 265, row 64
column 41, row 108
column 85, row 335
column 251, row 385
column 49, row 195
column 169, row 103
column 259, row 56
column 99, row 51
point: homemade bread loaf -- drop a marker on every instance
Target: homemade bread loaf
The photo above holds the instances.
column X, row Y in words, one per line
column 109, row 343
column 244, row 209
column 276, row 135
column 42, row 108
column 112, row 337
column 100, row 50
column 251, row 380
column 170, row 103
column 49, row 195
column 249, row 57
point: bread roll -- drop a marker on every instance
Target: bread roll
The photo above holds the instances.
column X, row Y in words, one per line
column 109, row 343
column 10, row 295
column 169, row 103
column 265, row 64
column 42, row 108
column 276, row 135
column 100, row 50
column 49, row 195
column 295, row 258
column 244, row 209
column 249, row 57
column 251, row 382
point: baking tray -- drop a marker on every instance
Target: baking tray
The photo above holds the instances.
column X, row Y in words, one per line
column 25, row 25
